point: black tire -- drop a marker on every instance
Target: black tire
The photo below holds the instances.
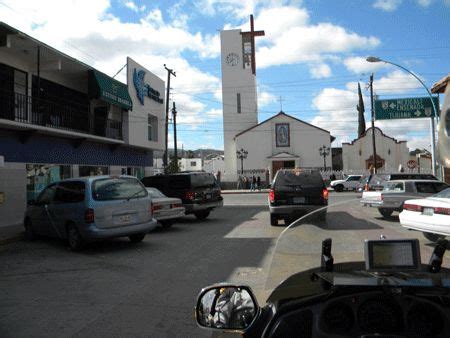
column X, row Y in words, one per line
column 273, row 220
column 29, row 233
column 136, row 238
column 339, row 188
column 385, row 212
column 432, row 237
column 166, row 224
column 202, row 214
column 74, row 238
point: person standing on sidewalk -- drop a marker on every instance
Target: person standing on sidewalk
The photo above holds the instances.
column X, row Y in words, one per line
column 258, row 183
column 253, row 185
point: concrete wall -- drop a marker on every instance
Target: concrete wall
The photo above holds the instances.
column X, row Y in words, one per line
column 235, row 79
column 305, row 141
column 392, row 151
column 136, row 120
column 13, row 186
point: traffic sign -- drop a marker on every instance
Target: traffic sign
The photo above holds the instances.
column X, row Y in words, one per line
column 411, row 164
column 409, row 108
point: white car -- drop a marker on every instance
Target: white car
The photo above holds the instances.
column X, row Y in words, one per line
column 350, row 183
column 430, row 215
column 166, row 210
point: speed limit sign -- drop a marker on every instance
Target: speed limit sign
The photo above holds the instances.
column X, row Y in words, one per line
column 411, row 164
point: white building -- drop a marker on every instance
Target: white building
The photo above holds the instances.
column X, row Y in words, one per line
column 358, row 155
column 61, row 118
column 215, row 164
column 280, row 141
column 184, row 164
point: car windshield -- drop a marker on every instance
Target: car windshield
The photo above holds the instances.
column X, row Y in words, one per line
column 117, row 188
column 155, row 193
column 443, row 194
column 348, row 224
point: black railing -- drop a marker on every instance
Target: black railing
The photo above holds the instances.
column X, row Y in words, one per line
column 27, row 109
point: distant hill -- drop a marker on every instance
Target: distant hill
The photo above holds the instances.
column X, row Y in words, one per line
column 198, row 153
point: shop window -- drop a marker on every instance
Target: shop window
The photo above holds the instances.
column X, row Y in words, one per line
column 152, row 128
column 86, row 170
column 41, row 175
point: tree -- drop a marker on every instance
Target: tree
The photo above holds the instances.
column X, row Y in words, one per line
column 190, row 154
column 173, row 166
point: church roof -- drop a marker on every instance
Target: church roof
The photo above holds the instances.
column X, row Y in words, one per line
column 281, row 113
column 365, row 133
column 283, row 154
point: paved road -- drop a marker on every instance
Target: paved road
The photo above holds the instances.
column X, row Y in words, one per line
column 118, row 289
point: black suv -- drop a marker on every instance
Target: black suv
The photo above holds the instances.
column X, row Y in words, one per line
column 199, row 191
column 295, row 192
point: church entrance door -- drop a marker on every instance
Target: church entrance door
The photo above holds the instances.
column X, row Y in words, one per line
column 277, row 165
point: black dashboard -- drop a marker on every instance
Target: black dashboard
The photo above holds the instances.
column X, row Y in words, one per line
column 390, row 312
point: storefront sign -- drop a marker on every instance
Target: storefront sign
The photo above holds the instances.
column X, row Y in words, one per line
column 144, row 89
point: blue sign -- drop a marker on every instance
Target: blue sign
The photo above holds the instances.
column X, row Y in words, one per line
column 143, row 89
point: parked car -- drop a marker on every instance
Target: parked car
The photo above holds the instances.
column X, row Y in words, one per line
column 430, row 215
column 91, row 208
column 351, row 182
column 166, row 210
column 395, row 193
column 375, row 182
column 295, row 192
column 199, row 191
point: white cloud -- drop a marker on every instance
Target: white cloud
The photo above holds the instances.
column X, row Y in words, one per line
column 387, row 5
column 320, row 71
column 265, row 98
column 359, row 65
column 424, row 3
column 397, row 82
column 131, row 5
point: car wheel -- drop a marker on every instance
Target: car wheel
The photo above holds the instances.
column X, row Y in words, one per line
column 166, row 224
column 273, row 220
column 136, row 238
column 74, row 238
column 29, row 233
column 202, row 214
column 385, row 212
column 433, row 237
column 339, row 188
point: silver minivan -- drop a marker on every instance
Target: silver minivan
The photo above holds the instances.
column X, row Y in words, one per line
column 91, row 208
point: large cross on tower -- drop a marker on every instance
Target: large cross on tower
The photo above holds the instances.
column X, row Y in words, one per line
column 248, row 45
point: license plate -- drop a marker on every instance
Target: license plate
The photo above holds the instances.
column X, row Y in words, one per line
column 428, row 211
column 125, row 219
column 208, row 196
column 298, row 200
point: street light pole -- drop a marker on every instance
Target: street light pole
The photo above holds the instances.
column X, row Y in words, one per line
column 241, row 154
column 433, row 142
column 324, row 151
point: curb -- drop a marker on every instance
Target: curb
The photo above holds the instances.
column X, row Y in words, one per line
column 12, row 238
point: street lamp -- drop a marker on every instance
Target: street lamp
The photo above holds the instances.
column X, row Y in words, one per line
column 433, row 151
column 241, row 154
column 324, row 151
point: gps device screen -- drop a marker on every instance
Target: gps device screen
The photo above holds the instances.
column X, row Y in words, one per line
column 392, row 254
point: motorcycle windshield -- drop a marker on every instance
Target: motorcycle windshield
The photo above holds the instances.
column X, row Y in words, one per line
column 348, row 223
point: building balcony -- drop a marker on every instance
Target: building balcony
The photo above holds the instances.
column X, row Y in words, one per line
column 70, row 117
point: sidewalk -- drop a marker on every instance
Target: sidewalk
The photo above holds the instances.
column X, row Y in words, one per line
column 11, row 233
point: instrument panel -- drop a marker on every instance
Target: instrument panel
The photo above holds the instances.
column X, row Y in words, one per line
column 366, row 314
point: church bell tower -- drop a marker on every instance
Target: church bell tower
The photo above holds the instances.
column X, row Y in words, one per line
column 239, row 95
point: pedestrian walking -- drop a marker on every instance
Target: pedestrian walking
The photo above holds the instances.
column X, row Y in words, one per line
column 258, row 183
column 253, row 185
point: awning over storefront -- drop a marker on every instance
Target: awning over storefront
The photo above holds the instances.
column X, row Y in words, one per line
column 103, row 87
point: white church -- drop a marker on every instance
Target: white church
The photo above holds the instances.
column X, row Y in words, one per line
column 281, row 141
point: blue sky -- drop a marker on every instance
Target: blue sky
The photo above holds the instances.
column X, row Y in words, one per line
column 312, row 55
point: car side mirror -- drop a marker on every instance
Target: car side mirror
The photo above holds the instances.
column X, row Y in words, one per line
column 226, row 307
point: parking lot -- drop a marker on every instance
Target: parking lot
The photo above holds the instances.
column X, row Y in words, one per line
column 117, row 288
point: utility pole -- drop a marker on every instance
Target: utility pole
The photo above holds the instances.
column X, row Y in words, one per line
column 373, row 125
column 174, row 114
column 166, row 153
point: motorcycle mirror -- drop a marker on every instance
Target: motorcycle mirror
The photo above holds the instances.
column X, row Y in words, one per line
column 226, row 307
column 444, row 131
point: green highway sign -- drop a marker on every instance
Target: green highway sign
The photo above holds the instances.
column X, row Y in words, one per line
column 409, row 108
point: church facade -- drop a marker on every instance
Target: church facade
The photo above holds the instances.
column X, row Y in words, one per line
column 358, row 154
column 282, row 141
